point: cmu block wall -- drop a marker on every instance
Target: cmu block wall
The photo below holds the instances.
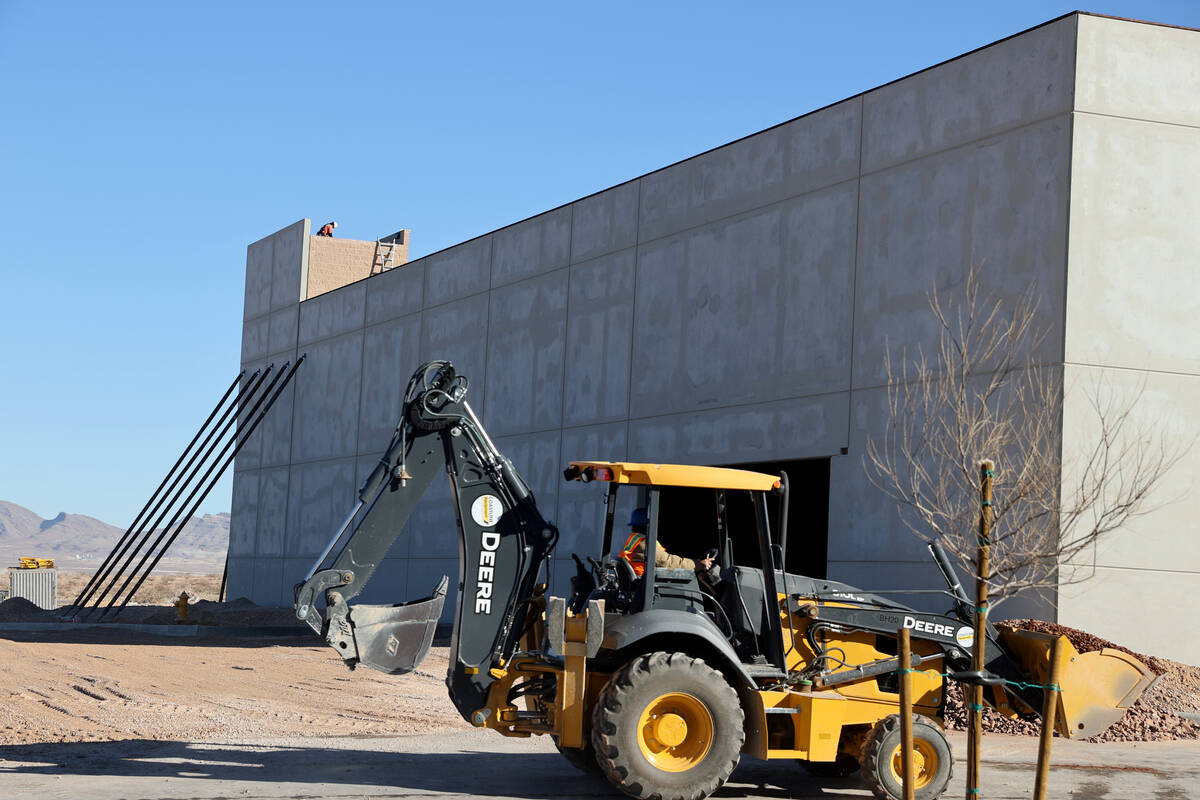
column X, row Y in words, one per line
column 734, row 307
column 334, row 263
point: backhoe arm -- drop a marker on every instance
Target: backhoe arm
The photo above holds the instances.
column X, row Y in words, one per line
column 503, row 543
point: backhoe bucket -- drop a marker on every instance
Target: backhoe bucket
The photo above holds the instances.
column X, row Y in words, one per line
column 395, row 639
column 1095, row 688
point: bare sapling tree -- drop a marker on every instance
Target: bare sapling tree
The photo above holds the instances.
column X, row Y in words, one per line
column 988, row 392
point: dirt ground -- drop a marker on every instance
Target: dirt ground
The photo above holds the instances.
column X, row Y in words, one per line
column 90, row 686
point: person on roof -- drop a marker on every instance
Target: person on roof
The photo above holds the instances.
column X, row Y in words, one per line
column 327, row 229
column 634, row 550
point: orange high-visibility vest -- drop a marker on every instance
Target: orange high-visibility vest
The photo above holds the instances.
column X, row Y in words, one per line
column 638, row 564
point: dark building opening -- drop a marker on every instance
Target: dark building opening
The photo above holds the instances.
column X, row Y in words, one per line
column 688, row 517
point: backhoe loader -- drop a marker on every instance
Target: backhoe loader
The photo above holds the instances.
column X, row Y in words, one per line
column 660, row 681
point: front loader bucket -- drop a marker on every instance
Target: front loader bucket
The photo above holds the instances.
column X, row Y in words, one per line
column 395, row 639
column 1095, row 688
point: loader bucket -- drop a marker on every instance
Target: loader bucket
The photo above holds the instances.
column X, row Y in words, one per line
column 396, row 638
column 1095, row 688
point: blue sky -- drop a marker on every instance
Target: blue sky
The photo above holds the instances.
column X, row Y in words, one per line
column 146, row 144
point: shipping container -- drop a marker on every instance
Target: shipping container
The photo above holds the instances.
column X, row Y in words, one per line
column 38, row 586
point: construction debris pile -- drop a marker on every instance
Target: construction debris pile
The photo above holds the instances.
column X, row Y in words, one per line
column 1153, row 718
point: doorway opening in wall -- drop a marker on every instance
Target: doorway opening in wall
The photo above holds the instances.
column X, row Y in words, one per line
column 688, row 518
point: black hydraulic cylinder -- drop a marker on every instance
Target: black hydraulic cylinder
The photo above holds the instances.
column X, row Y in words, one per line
column 256, row 417
column 190, row 470
column 869, row 670
column 962, row 602
column 135, row 528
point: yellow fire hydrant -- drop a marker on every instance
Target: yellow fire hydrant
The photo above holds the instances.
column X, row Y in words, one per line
column 181, row 606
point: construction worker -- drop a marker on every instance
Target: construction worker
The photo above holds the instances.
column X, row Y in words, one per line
column 634, row 550
column 327, row 229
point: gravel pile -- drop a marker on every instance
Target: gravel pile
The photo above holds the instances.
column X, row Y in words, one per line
column 1153, row 718
column 18, row 609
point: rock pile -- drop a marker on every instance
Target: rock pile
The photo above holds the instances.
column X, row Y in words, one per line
column 1154, row 717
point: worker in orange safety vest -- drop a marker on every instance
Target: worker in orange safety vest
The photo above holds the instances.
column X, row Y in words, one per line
column 634, row 550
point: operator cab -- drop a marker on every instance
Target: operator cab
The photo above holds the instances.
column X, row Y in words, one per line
column 738, row 599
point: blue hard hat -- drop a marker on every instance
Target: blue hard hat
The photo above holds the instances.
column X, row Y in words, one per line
column 639, row 518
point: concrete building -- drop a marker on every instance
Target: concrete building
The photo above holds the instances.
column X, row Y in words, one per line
column 736, row 307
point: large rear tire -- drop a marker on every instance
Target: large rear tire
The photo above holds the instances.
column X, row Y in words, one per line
column 667, row 727
column 882, row 767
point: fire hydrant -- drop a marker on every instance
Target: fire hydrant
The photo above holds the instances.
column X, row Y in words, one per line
column 181, row 606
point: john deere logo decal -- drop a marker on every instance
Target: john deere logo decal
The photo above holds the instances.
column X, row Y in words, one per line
column 965, row 637
column 486, row 510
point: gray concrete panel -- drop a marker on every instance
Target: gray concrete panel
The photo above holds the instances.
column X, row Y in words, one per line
column 525, row 340
column 327, row 390
column 259, row 257
column 706, row 320
column 1142, row 71
column 561, row 571
column 239, row 581
column 333, row 313
column 458, row 272
column 268, row 580
column 1002, row 86
column 389, row 584
column 1164, row 414
column 287, row 265
column 432, row 531
column 864, row 522
column 283, row 330
column 604, row 222
column 806, row 154
column 294, row 570
column 581, row 505
column 391, row 352
column 912, row 582
column 816, row 291
column 272, row 512
column 531, row 247
column 275, row 430
column 250, row 456
column 537, row 458
column 1136, row 623
column 256, row 339
column 395, row 293
column 458, row 332
column 1001, row 203
column 808, row 427
column 320, row 495
column 599, row 340
column 243, row 520
column 1133, row 287
column 423, row 577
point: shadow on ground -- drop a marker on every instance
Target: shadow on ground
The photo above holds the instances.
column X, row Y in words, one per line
column 469, row 772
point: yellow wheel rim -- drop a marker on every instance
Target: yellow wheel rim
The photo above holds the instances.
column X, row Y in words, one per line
column 675, row 732
column 925, row 763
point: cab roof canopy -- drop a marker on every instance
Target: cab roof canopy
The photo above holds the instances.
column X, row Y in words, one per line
column 670, row 475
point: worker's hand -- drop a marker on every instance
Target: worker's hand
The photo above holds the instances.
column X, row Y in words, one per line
column 704, row 564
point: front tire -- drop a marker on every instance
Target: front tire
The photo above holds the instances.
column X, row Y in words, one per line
column 582, row 759
column 667, row 727
column 881, row 760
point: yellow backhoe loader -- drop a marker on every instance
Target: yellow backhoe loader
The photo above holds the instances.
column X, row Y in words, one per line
column 661, row 681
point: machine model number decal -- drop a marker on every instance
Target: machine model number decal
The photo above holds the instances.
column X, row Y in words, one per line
column 965, row 637
column 489, row 542
column 921, row 626
column 486, row 510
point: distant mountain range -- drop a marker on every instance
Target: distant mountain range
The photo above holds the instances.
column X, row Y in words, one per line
column 80, row 543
